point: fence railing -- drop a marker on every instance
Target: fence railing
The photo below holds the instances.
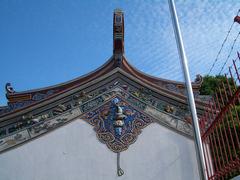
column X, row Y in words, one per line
column 220, row 127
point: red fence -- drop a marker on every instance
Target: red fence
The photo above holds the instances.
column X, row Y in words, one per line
column 220, row 128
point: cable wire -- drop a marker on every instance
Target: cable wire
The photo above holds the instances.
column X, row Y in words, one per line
column 220, row 50
column 230, row 52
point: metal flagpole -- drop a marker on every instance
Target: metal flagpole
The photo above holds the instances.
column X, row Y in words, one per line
column 181, row 51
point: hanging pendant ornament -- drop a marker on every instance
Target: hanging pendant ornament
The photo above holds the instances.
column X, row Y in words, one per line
column 118, row 124
column 120, row 172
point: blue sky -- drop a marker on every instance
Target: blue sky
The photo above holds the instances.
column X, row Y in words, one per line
column 45, row 42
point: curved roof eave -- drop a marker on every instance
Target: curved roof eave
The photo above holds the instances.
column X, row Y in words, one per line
column 106, row 67
column 157, row 80
column 19, row 100
column 54, row 97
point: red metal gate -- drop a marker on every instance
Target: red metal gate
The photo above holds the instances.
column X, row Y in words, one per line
column 220, row 128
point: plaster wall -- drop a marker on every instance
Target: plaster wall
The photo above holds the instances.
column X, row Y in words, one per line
column 73, row 152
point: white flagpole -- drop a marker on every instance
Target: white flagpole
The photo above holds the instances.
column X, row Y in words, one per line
column 182, row 55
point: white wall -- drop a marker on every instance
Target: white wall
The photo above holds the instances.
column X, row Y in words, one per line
column 73, row 152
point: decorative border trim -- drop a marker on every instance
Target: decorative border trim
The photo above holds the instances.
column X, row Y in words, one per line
column 168, row 112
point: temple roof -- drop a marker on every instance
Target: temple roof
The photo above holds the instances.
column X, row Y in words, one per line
column 140, row 99
column 24, row 99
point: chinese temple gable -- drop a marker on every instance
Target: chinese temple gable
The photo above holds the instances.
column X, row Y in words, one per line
column 116, row 99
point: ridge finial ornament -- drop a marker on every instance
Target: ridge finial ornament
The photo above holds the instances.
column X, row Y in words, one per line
column 118, row 36
column 9, row 89
column 198, row 79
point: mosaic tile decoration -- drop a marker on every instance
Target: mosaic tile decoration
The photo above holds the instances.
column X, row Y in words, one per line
column 138, row 106
column 117, row 124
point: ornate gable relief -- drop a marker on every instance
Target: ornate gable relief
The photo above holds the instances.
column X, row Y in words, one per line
column 117, row 123
column 136, row 98
column 118, row 111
